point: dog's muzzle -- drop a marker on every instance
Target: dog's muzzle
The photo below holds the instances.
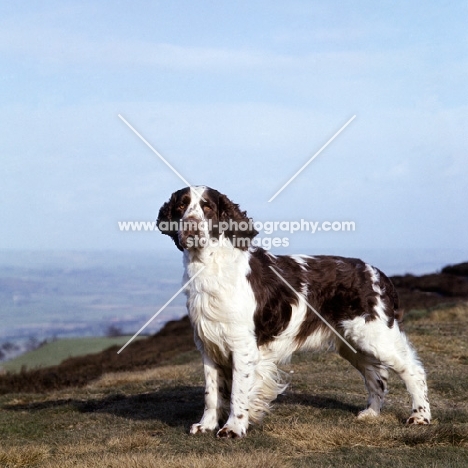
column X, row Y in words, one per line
column 191, row 232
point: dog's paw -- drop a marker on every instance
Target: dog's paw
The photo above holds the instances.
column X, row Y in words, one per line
column 420, row 416
column 200, row 429
column 418, row 419
column 231, row 432
column 367, row 413
column 208, row 423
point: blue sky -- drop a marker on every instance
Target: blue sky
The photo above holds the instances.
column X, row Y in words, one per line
column 237, row 96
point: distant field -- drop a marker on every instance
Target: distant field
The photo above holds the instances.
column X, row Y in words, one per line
column 55, row 352
column 81, row 294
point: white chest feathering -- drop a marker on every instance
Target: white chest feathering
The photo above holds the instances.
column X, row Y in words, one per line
column 220, row 301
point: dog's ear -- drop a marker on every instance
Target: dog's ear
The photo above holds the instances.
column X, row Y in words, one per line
column 241, row 231
column 168, row 220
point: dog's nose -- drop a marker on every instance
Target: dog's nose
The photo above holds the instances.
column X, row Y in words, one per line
column 189, row 231
column 190, row 225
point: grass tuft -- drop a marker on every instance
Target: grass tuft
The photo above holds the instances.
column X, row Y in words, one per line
column 24, row 456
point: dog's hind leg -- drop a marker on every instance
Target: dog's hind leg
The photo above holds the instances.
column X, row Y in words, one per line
column 389, row 348
column 375, row 377
column 407, row 365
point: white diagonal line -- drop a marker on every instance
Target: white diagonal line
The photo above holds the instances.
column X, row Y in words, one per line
column 160, row 310
column 313, row 310
column 156, row 152
column 312, row 158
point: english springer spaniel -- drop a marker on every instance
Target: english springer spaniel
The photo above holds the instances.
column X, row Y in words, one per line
column 250, row 310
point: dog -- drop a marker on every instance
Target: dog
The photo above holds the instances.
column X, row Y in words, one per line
column 251, row 310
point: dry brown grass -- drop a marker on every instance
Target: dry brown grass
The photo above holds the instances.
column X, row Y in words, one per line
column 155, row 460
column 457, row 313
column 167, row 374
column 17, row 456
column 141, row 419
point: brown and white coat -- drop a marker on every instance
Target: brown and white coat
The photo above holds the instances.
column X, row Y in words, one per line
column 247, row 321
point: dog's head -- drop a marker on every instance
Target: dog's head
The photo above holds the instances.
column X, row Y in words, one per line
column 195, row 217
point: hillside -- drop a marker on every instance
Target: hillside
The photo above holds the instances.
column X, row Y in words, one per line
column 175, row 338
column 140, row 418
column 426, row 291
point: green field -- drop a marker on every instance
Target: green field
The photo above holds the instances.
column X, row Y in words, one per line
column 55, row 352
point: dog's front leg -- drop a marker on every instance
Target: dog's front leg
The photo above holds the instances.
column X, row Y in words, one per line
column 213, row 398
column 243, row 377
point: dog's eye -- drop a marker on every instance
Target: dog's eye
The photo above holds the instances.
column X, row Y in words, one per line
column 207, row 208
column 181, row 206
